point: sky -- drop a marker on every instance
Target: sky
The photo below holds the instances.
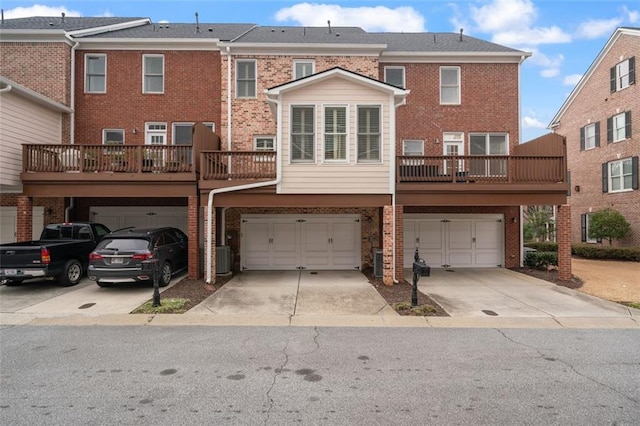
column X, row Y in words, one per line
column 564, row 37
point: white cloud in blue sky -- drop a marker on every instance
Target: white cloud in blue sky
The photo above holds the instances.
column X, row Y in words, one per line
column 571, row 79
column 376, row 18
column 39, row 10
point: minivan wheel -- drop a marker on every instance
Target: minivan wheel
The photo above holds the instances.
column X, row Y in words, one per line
column 165, row 275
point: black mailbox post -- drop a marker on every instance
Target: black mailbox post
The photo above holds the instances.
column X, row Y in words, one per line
column 151, row 266
column 420, row 269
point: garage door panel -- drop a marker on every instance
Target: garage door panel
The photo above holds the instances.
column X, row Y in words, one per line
column 116, row 217
column 460, row 236
column 430, row 235
column 9, row 223
column 486, row 233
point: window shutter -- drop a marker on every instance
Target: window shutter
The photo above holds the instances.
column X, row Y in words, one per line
column 605, row 177
column 634, row 172
column 581, row 138
column 613, row 79
column 632, row 70
column 598, row 133
column 610, row 129
column 627, row 124
column 569, row 183
column 583, row 228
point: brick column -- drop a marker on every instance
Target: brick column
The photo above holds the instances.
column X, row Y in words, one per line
column 387, row 244
column 399, row 242
column 194, row 235
column 210, row 234
column 24, row 221
column 563, row 236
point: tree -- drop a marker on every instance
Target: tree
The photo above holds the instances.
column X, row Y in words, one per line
column 538, row 221
column 608, row 223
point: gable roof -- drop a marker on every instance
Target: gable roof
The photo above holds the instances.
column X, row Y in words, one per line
column 632, row 31
column 336, row 72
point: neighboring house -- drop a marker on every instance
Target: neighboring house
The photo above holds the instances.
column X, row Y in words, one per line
column 337, row 148
column 601, row 122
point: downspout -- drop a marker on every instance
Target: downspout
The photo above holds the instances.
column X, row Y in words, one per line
column 213, row 192
column 72, row 119
column 229, row 114
column 522, row 59
column 392, row 181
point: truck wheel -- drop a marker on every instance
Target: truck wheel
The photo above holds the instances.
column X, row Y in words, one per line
column 165, row 275
column 71, row 274
column 12, row 283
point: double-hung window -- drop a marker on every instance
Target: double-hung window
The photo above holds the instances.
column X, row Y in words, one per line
column 264, row 143
column 246, row 78
column 95, row 73
column 113, row 136
column 620, row 175
column 369, row 134
column 412, row 148
column 488, row 144
column 619, row 127
column 450, row 85
column 394, row 76
column 153, row 73
column 335, row 133
column 585, row 219
column 590, row 136
column 303, row 138
column 303, row 68
column 623, row 74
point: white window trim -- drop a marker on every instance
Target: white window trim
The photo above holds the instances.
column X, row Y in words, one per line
column 382, row 130
column 487, row 135
column 615, row 128
column 347, row 137
column 86, row 71
column 303, row 61
column 255, row 81
column 315, row 135
column 619, row 76
column 586, row 138
column 104, row 135
column 150, row 132
column 404, row 76
column 144, row 73
column 261, row 158
column 609, row 183
column 459, row 85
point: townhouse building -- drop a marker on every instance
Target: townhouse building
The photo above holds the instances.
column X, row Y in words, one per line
column 289, row 147
column 600, row 120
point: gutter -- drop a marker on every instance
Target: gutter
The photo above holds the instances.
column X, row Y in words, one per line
column 6, row 89
column 213, row 192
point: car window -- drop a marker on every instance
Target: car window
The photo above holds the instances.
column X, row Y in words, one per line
column 179, row 235
column 169, row 238
column 83, row 233
column 101, row 230
column 122, row 244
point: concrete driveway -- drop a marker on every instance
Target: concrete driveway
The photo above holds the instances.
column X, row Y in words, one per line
column 296, row 293
column 505, row 293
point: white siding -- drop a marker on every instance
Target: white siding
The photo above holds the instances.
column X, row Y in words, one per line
column 336, row 178
column 23, row 121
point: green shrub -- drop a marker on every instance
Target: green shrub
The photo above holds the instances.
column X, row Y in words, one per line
column 543, row 246
column 592, row 251
column 541, row 259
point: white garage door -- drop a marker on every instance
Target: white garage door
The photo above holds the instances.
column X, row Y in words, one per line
column 464, row 241
column 141, row 217
column 280, row 242
column 9, row 223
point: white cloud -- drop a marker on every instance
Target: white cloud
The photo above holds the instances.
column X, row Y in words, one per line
column 39, row 10
column 538, row 35
column 595, row 28
column 632, row 15
column 378, row 18
column 550, row 72
column 503, row 15
column 532, row 123
column 572, row 79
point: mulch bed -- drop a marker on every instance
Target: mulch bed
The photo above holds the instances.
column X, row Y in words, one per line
column 198, row 290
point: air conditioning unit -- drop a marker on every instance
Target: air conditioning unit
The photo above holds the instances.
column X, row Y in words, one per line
column 223, row 260
column 377, row 263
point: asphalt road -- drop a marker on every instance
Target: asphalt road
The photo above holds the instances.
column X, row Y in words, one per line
column 149, row 375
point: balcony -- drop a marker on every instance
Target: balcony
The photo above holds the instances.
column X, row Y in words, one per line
column 108, row 170
column 220, row 169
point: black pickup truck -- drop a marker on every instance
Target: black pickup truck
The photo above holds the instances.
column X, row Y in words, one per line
column 61, row 253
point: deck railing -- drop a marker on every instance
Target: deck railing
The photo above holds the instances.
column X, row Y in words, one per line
column 237, row 165
column 107, row 158
column 482, row 169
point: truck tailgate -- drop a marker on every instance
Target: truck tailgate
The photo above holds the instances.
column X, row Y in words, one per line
column 20, row 256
